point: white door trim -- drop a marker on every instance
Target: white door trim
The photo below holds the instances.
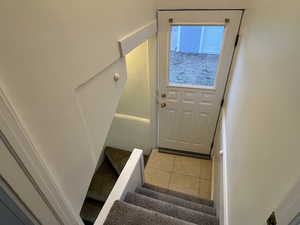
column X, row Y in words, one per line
column 20, row 210
column 223, row 153
column 153, row 75
column 231, row 20
column 33, row 165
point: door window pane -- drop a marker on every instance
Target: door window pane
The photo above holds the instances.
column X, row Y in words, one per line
column 194, row 54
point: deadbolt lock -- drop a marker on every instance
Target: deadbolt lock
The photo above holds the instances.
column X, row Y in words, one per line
column 163, row 105
column 163, row 95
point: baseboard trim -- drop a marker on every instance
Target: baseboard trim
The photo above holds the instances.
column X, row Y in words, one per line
column 184, row 153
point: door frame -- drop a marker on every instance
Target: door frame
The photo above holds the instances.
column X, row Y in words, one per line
column 15, row 204
column 153, row 78
column 35, row 169
column 229, row 75
column 226, row 87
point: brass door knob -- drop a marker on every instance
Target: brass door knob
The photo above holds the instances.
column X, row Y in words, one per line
column 163, row 105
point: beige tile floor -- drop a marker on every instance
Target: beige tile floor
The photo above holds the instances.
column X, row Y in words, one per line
column 180, row 173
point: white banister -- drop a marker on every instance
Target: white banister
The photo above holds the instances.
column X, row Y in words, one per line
column 131, row 177
column 134, row 39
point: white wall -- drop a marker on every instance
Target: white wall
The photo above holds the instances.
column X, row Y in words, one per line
column 134, row 110
column 135, row 99
column 48, row 50
column 262, row 112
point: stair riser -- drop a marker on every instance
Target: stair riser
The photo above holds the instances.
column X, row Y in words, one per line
column 123, row 213
column 194, row 199
column 171, row 209
column 176, row 201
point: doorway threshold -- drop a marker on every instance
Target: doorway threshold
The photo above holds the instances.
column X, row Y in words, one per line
column 184, row 153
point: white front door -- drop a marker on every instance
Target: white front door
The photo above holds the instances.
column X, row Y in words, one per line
column 195, row 52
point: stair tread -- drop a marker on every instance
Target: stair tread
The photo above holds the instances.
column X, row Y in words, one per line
column 90, row 210
column 123, row 213
column 169, row 209
column 103, row 182
column 179, row 195
column 175, row 200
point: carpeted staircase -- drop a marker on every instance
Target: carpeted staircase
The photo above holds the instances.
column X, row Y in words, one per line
column 103, row 182
column 151, row 205
column 148, row 205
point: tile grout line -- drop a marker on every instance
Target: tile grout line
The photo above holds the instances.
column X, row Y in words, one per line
column 200, row 175
column 171, row 173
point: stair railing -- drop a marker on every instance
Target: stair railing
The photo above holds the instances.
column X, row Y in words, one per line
column 131, row 177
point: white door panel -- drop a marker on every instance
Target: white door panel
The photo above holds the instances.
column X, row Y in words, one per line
column 191, row 84
column 187, row 111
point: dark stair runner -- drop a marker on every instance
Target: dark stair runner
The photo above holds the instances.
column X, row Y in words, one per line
column 90, row 211
column 117, row 158
column 102, row 183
